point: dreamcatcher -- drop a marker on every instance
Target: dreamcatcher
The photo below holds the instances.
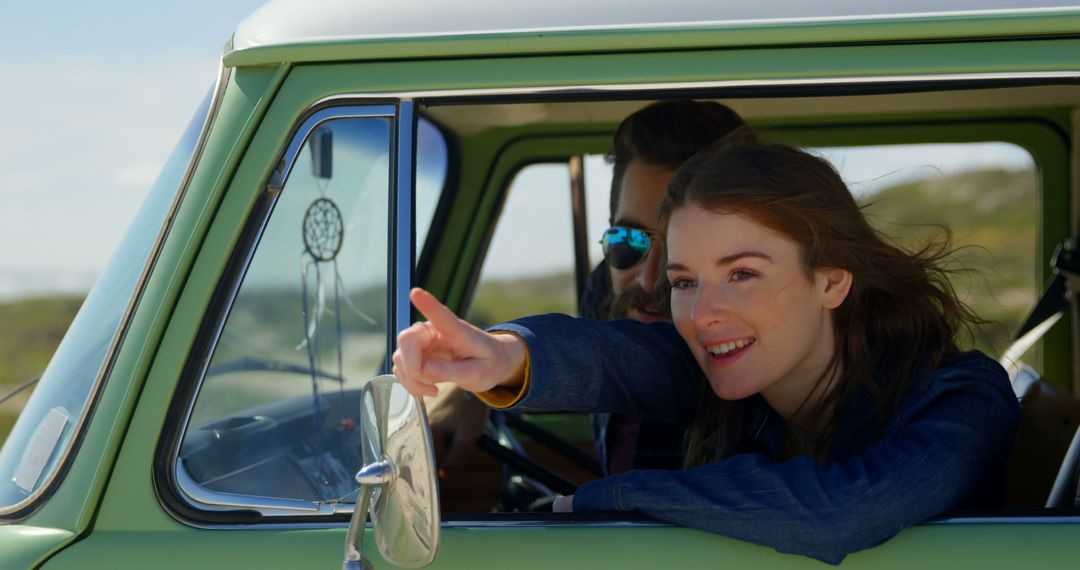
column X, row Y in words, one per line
column 323, row 230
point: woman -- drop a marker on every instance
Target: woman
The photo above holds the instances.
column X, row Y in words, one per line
column 844, row 410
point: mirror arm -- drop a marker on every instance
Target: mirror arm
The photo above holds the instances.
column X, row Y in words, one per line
column 378, row 475
column 354, row 558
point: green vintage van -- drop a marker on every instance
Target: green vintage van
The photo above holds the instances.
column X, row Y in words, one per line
column 205, row 408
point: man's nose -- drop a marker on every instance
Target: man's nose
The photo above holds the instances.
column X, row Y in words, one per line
column 650, row 269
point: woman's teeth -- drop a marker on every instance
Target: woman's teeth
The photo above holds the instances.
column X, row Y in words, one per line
column 724, row 348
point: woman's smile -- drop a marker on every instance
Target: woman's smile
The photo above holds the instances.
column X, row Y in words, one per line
column 726, row 352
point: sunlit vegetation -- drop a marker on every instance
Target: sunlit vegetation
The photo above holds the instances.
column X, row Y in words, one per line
column 30, row 331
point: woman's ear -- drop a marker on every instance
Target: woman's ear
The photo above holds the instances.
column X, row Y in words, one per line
column 833, row 284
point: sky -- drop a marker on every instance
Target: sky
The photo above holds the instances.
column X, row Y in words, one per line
column 95, row 95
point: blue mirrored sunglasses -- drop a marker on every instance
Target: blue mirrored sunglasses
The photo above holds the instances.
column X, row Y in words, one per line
column 625, row 247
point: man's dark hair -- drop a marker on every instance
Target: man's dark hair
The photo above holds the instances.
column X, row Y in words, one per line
column 667, row 133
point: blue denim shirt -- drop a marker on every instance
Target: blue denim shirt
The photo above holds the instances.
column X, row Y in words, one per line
column 945, row 446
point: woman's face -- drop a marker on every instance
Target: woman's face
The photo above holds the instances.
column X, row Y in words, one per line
column 743, row 301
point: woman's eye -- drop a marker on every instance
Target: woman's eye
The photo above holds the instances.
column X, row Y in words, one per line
column 742, row 275
column 682, row 283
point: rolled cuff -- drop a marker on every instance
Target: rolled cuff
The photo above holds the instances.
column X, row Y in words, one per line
column 502, row 397
column 600, row 496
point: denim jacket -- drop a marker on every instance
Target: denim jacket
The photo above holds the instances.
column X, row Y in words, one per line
column 944, row 448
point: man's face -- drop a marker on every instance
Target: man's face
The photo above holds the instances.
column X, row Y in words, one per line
column 643, row 188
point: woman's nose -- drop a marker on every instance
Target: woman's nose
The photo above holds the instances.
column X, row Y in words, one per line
column 709, row 307
column 650, row 269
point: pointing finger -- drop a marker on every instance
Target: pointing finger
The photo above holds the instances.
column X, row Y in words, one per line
column 439, row 315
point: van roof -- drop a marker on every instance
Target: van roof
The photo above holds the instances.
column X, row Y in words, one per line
column 326, row 30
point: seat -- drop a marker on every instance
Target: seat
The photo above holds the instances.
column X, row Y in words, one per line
column 1047, row 428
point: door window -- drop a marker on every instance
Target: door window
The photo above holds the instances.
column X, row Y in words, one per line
column 276, row 413
column 529, row 266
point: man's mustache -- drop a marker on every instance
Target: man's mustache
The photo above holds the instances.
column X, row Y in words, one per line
column 630, row 298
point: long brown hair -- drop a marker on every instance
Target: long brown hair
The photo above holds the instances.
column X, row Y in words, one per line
column 901, row 314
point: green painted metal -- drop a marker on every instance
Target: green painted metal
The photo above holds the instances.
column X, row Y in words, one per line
column 28, row 546
column 740, row 35
column 984, row 546
column 803, row 63
column 253, row 93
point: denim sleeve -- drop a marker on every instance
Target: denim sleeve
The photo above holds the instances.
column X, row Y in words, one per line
column 934, row 456
column 622, row 366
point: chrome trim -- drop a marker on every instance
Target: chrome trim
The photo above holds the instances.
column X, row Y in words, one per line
column 187, row 487
column 223, row 75
column 573, row 523
column 696, row 85
column 556, row 524
column 402, row 223
column 1027, row 519
column 288, row 158
column 266, row 506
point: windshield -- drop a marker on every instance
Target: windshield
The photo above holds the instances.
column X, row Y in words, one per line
column 44, row 432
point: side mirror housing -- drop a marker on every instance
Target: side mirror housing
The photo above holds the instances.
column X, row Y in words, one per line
column 397, row 483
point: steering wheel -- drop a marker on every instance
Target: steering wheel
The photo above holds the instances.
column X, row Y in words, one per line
column 526, row 484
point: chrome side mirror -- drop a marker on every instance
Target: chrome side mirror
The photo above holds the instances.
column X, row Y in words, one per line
column 397, row 483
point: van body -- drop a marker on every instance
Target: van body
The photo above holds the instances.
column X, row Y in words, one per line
column 202, row 411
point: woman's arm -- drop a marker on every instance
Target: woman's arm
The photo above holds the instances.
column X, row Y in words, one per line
column 948, row 446
column 571, row 364
column 613, row 366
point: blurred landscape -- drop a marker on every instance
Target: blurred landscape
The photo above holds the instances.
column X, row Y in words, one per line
column 992, row 214
column 31, row 330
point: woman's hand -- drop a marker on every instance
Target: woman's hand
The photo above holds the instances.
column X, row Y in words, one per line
column 448, row 349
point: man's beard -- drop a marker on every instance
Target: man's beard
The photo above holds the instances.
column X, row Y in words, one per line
column 621, row 303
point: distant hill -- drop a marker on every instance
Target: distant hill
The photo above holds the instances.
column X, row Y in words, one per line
column 993, row 218
column 30, row 331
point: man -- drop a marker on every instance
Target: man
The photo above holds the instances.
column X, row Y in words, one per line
column 648, row 147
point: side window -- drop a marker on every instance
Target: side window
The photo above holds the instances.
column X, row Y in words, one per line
column 529, row 266
column 985, row 193
column 275, row 416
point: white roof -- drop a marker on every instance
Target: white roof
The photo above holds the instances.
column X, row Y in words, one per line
column 283, row 22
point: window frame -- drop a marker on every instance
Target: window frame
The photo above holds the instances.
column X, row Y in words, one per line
column 179, row 493
column 458, row 288
column 1045, row 141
